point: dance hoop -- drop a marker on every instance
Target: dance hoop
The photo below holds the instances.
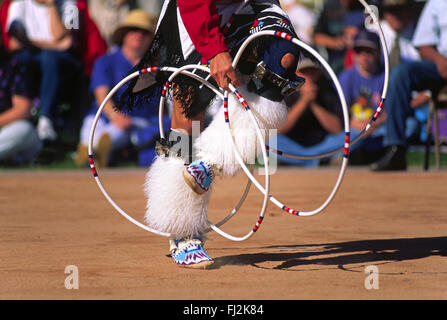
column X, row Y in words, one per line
column 251, row 179
column 380, row 105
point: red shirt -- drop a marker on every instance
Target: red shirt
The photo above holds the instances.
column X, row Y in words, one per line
column 202, row 22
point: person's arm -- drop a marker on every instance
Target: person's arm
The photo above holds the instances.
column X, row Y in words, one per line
column 117, row 118
column 421, row 99
column 430, row 53
column 62, row 37
column 427, row 36
column 202, row 23
column 61, row 45
column 327, row 41
column 321, row 36
column 308, row 94
column 101, row 83
column 56, row 24
column 21, row 109
column 329, row 121
column 294, row 115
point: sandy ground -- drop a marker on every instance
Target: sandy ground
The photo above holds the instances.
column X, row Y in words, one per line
column 394, row 224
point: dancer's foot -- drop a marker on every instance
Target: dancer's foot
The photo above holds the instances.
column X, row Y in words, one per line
column 189, row 252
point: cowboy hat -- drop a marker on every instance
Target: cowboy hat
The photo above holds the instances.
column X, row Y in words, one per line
column 135, row 19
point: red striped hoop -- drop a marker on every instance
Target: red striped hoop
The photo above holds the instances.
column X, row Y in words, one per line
column 264, row 190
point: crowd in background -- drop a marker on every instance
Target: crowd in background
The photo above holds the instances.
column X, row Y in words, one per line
column 60, row 58
column 348, row 40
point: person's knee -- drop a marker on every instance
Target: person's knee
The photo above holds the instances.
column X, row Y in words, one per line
column 17, row 133
column 22, row 128
column 400, row 72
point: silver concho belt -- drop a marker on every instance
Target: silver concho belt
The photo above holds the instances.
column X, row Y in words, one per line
column 286, row 86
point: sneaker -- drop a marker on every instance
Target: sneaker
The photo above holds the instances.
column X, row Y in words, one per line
column 102, row 150
column 45, row 129
column 188, row 252
column 394, row 160
column 198, row 176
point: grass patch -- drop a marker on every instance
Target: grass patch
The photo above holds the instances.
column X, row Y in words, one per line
column 57, row 158
column 417, row 158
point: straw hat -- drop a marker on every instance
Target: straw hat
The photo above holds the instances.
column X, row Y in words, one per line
column 135, row 19
column 307, row 63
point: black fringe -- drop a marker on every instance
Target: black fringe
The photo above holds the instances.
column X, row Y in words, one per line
column 165, row 50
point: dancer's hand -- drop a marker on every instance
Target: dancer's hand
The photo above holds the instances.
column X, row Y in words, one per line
column 222, row 71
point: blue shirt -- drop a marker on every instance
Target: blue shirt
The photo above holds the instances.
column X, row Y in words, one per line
column 108, row 71
column 362, row 94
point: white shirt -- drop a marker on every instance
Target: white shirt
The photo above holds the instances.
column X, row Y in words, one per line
column 35, row 17
column 432, row 26
column 407, row 50
column 303, row 20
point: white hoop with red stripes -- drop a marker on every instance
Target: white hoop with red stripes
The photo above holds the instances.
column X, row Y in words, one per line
column 264, row 190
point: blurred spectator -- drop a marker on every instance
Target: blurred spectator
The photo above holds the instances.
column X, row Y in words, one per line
column 328, row 33
column 116, row 131
column 19, row 143
column 398, row 26
column 91, row 43
column 362, row 86
column 152, row 7
column 430, row 73
column 107, row 14
column 353, row 23
column 314, row 124
column 303, row 15
column 39, row 38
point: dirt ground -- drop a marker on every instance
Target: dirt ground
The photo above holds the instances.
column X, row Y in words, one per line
column 391, row 224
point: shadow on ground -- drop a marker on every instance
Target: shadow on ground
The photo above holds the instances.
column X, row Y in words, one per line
column 339, row 255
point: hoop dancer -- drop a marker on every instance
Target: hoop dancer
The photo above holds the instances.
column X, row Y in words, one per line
column 209, row 32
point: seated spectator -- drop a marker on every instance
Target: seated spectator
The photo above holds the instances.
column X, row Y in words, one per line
column 354, row 22
column 328, row 33
column 39, row 38
column 19, row 143
column 115, row 130
column 314, row 125
column 430, row 73
column 91, row 43
column 398, row 26
column 362, row 86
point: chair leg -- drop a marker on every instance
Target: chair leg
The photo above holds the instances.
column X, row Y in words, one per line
column 428, row 135
column 437, row 140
